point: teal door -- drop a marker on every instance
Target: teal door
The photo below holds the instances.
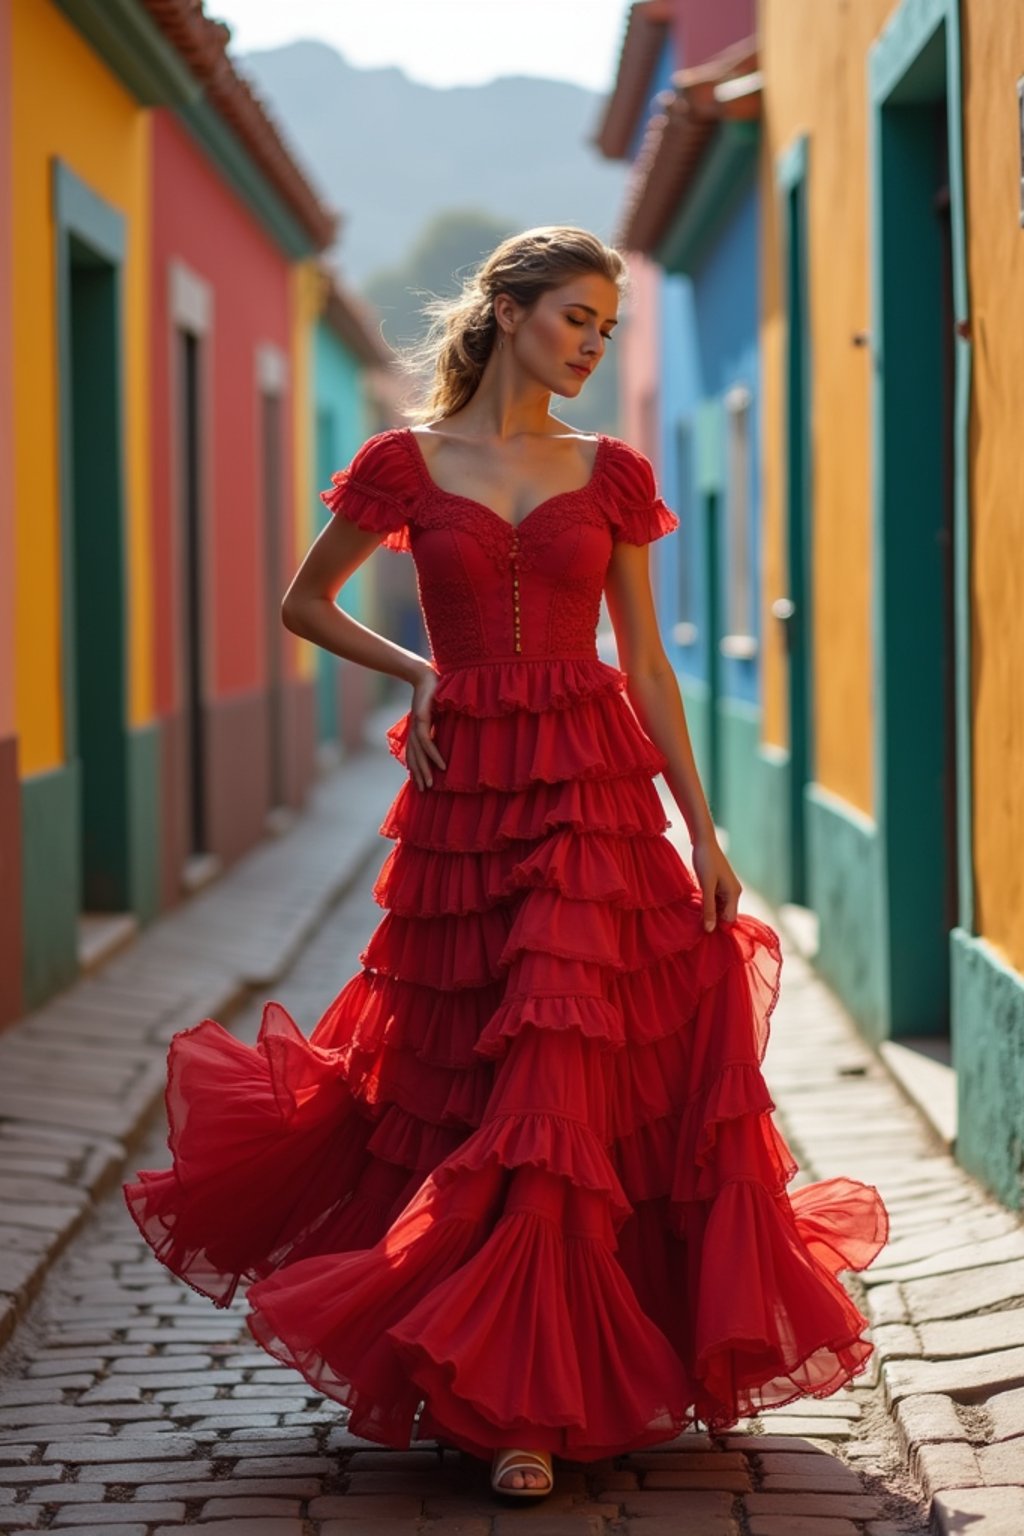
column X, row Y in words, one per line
column 793, row 609
column 96, row 628
column 915, row 577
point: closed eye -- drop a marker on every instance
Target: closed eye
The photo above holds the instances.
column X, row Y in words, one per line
column 605, row 335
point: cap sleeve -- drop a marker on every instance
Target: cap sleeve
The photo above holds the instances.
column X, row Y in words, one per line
column 638, row 514
column 376, row 490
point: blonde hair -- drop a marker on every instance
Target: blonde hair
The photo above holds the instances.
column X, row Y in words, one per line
column 463, row 329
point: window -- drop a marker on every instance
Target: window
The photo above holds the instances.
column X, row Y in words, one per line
column 739, row 638
column 684, row 631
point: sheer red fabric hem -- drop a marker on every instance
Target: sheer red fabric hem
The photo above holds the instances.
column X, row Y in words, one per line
column 505, row 1188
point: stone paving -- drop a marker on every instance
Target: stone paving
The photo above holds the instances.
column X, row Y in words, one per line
column 80, row 1076
column 130, row 1406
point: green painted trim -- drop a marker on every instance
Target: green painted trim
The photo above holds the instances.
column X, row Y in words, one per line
column 727, row 167
column 135, row 49
column 89, row 244
column 909, row 33
column 50, row 880
column 741, row 813
column 902, row 41
column 792, row 171
column 709, row 446
column 917, row 61
column 78, row 209
column 81, row 216
column 988, row 1052
column 770, row 867
column 144, row 840
column 791, row 164
column 844, row 877
column 961, row 478
column 754, row 787
column 221, row 146
column 696, row 704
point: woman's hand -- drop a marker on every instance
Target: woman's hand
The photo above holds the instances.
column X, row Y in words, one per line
column 420, row 750
column 719, row 885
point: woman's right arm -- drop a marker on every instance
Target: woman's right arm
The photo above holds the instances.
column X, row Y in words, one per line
column 309, row 610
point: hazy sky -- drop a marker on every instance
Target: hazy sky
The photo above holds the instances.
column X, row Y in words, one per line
column 445, row 42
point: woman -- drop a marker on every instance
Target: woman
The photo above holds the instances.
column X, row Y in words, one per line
column 520, row 1191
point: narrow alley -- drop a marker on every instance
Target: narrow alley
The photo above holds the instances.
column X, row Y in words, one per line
column 129, row 1404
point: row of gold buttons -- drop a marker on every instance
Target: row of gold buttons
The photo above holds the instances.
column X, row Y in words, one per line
column 515, row 589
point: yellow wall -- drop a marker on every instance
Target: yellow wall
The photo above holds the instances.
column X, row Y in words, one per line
column 814, row 58
column 66, row 103
column 993, row 40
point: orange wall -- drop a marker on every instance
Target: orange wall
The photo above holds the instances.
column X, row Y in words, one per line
column 65, row 103
column 993, row 41
column 814, row 58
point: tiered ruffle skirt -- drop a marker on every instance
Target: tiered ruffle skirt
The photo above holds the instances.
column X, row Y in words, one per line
column 522, row 1183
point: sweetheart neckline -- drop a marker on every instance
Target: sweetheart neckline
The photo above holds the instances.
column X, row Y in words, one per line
column 579, row 490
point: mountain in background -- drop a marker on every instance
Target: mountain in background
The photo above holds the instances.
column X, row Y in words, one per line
column 391, row 154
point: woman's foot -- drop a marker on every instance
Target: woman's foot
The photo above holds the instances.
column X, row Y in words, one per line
column 524, row 1474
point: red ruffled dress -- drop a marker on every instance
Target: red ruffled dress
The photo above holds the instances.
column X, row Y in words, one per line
column 521, row 1185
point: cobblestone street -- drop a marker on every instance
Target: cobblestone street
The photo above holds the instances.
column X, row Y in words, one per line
column 129, row 1404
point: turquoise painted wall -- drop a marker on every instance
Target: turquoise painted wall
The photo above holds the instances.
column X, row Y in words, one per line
column 339, row 430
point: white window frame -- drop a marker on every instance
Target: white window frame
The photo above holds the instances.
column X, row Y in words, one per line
column 739, row 642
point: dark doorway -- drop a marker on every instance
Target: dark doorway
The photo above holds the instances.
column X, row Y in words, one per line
column 97, row 664
column 947, row 548
column 794, row 611
column 915, row 549
column 192, row 614
column 273, row 511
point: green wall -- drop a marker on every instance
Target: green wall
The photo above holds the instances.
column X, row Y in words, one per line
column 338, row 431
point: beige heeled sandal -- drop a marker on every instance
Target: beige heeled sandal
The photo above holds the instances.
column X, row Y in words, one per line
column 521, row 1461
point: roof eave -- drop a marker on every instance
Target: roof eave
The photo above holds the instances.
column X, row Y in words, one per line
column 725, row 90
column 646, row 29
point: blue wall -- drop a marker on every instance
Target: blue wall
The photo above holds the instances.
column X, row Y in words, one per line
column 726, row 310
column 661, row 81
column 709, row 344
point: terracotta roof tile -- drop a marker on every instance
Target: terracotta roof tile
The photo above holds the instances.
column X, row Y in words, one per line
column 202, row 43
column 646, row 30
column 677, row 138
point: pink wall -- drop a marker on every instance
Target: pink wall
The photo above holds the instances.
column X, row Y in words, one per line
column 702, row 30
column 640, row 363
column 6, row 391
column 198, row 221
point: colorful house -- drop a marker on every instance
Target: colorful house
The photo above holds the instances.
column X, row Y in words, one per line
column 868, row 764
column 892, row 338
column 348, row 359
column 685, row 108
column 162, row 247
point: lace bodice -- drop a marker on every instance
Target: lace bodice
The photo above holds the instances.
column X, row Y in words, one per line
column 489, row 590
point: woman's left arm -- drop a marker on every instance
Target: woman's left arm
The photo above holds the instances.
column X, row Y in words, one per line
column 654, row 694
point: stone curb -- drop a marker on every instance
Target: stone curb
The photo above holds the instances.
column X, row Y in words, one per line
column 81, row 1076
column 945, row 1298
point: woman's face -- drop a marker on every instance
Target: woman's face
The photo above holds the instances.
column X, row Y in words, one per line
column 561, row 340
